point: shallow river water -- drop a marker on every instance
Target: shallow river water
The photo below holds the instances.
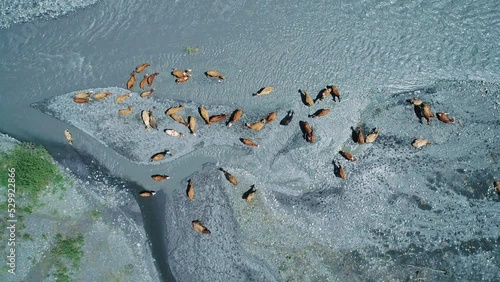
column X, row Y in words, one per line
column 401, row 215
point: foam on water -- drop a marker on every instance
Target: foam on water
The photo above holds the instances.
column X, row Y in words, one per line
column 19, row 11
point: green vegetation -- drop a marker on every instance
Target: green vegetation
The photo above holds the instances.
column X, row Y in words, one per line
column 35, row 171
column 62, row 273
column 95, row 214
column 192, row 50
column 32, row 260
column 67, row 249
column 54, row 212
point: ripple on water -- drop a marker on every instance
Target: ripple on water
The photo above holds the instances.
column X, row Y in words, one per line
column 13, row 12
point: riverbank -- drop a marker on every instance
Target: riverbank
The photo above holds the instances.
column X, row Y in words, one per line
column 75, row 229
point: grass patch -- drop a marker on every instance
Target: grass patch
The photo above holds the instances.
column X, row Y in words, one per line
column 95, row 214
column 54, row 212
column 67, row 250
column 62, row 272
column 35, row 172
column 192, row 50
